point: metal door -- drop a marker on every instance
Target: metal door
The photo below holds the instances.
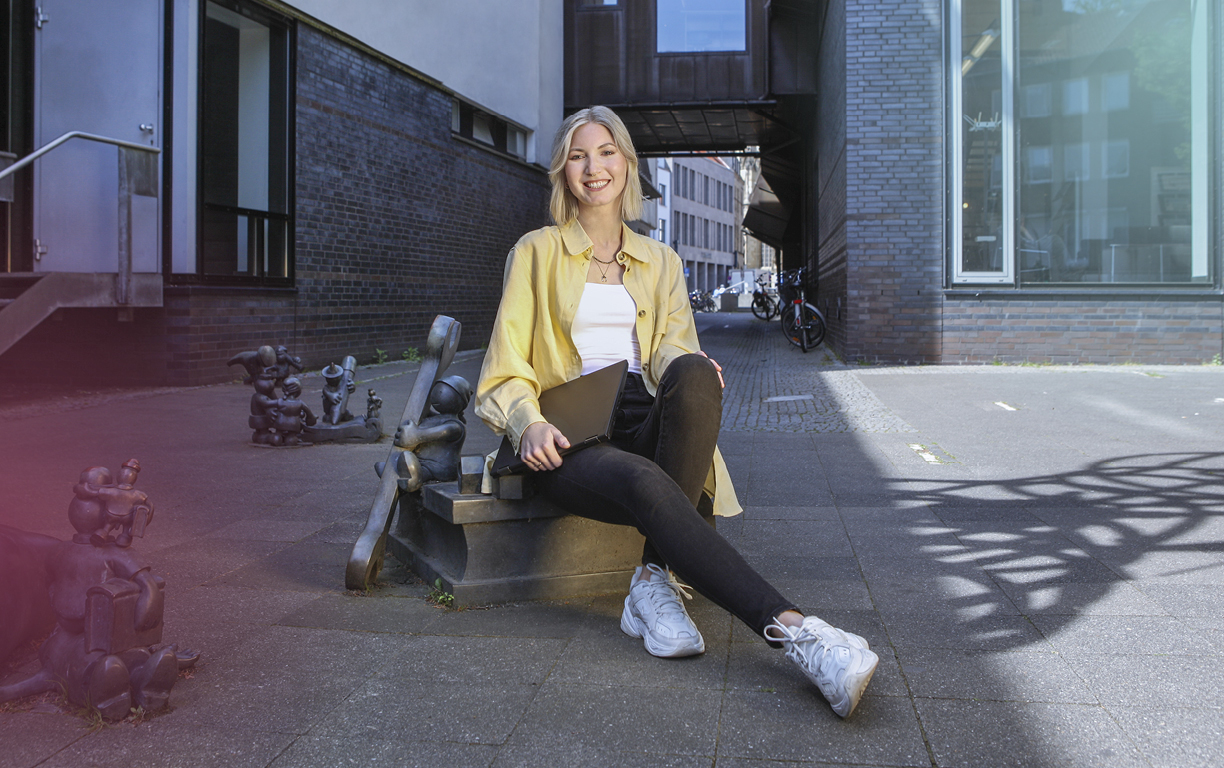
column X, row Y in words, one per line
column 97, row 69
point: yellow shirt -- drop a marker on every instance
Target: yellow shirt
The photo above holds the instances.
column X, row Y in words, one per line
column 531, row 349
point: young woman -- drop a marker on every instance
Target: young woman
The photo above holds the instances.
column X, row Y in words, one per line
column 589, row 292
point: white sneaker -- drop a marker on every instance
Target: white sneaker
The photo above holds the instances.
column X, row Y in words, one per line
column 839, row 663
column 654, row 612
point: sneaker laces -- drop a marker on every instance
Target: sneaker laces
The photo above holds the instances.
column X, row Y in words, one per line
column 665, row 592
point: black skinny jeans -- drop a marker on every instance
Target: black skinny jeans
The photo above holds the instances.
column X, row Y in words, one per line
column 651, row 475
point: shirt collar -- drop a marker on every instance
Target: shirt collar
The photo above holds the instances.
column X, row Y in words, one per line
column 576, row 241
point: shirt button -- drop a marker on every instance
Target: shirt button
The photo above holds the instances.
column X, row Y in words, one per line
column 641, row 313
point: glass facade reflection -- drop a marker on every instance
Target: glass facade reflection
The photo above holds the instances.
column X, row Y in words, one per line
column 684, row 26
column 1083, row 141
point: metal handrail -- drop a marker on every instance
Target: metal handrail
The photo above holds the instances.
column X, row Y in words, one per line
column 123, row 272
column 23, row 162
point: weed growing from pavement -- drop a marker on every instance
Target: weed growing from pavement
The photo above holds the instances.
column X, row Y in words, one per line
column 438, row 596
column 411, row 355
column 1217, row 360
column 380, row 356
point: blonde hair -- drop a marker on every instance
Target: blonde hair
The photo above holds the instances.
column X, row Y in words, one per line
column 563, row 205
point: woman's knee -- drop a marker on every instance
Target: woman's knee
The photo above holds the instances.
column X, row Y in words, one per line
column 692, row 371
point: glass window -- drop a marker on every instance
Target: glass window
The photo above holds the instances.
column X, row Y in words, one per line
column 1075, row 162
column 1035, row 100
column 1115, row 91
column 245, row 227
column 1115, row 160
column 1075, row 96
column 1089, row 164
column 684, row 26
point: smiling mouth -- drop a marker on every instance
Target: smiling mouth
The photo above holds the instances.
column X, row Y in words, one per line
column 597, row 185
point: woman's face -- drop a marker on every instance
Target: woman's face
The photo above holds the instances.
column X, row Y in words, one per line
column 595, row 169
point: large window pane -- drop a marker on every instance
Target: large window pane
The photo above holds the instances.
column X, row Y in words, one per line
column 688, row 26
column 244, row 140
column 1104, row 193
column 978, row 62
column 1082, row 137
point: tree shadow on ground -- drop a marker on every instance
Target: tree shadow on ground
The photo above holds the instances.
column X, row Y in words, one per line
column 1057, row 544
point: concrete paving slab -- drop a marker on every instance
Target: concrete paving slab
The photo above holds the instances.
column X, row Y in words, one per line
column 472, row 660
column 387, row 710
column 995, row 675
column 1174, row 737
column 773, row 725
column 29, row 738
column 1092, row 599
column 617, row 660
column 674, row 721
column 256, row 529
column 311, row 751
column 559, row 619
column 164, row 741
column 531, row 756
column 375, row 613
column 1004, row 733
column 1121, row 679
column 1153, row 635
column 987, row 633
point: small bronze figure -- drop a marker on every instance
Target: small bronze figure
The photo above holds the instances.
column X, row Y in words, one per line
column 437, row 442
column 373, row 406
column 339, row 384
column 263, row 412
column 291, row 414
column 105, row 651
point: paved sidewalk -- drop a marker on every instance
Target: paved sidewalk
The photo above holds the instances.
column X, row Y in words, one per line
column 1037, row 553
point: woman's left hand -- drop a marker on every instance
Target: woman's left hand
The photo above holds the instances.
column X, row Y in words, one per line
column 717, row 367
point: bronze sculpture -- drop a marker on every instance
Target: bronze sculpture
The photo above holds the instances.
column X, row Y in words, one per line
column 105, row 651
column 339, row 384
column 338, row 424
column 365, row 561
column 291, row 414
column 435, row 445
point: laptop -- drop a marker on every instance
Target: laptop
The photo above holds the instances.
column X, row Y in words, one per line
column 583, row 409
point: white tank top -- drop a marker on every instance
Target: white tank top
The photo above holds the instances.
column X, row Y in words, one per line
column 604, row 329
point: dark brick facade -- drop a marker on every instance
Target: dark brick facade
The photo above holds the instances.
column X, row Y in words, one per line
column 396, row 221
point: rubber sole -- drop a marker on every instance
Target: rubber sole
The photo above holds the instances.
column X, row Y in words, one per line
column 675, row 649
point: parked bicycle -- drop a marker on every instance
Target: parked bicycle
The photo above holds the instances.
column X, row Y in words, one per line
column 802, row 324
column 764, row 306
column 702, row 301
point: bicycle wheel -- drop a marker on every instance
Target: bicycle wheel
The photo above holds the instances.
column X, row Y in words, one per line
column 760, row 308
column 813, row 325
column 790, row 327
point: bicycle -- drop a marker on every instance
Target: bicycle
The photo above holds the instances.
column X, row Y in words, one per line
column 764, row 306
column 802, row 324
column 702, row 301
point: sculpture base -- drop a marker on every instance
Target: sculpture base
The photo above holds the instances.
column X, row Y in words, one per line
column 487, row 550
column 358, row 430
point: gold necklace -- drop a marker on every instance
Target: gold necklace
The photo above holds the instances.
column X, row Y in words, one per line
column 603, row 271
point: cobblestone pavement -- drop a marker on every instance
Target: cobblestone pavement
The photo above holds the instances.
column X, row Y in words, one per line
column 778, row 388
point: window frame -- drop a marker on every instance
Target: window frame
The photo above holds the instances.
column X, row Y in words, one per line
column 1008, row 280
column 287, row 26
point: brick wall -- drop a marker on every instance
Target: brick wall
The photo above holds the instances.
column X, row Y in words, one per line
column 396, row 222
column 1081, row 331
column 894, row 179
column 830, row 172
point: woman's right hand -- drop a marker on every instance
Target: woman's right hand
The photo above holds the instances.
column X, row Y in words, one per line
column 538, row 446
